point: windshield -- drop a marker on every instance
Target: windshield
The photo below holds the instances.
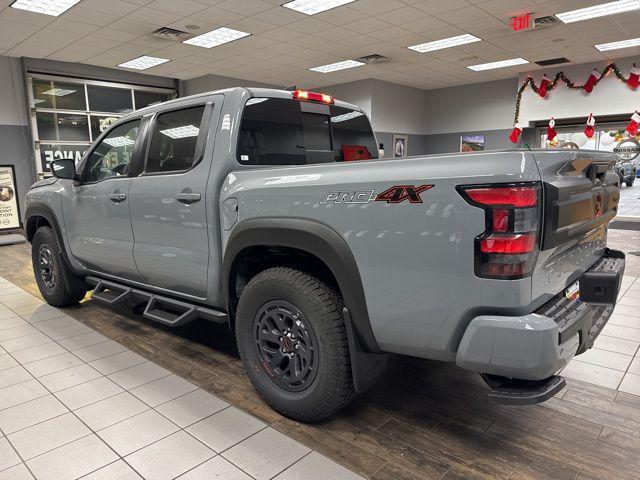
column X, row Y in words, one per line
column 279, row 131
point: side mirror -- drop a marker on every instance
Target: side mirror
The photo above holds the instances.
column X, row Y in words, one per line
column 64, row 168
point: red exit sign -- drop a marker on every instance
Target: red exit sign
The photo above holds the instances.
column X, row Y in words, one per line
column 522, row 22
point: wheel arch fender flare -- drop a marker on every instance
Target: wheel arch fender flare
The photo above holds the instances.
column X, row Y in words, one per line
column 316, row 239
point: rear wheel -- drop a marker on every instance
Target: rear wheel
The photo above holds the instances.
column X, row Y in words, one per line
column 58, row 285
column 293, row 343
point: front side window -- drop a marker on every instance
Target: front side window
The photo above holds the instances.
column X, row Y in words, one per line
column 174, row 140
column 278, row 131
column 112, row 156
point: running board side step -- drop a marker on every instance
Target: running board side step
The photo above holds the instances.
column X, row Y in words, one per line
column 513, row 391
column 159, row 308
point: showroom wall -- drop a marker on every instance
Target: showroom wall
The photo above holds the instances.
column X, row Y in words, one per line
column 15, row 138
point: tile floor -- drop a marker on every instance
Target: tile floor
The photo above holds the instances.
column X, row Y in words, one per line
column 614, row 361
column 74, row 404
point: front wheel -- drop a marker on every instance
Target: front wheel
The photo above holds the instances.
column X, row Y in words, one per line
column 58, row 285
column 293, row 343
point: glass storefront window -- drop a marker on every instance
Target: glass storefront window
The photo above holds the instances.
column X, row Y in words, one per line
column 99, row 123
column 571, row 140
column 58, row 95
column 144, row 99
column 109, row 99
column 62, row 127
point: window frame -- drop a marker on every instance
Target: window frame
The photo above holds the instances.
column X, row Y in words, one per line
column 136, row 150
column 201, row 142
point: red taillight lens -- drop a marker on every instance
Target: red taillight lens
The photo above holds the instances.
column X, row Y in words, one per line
column 508, row 196
column 514, row 243
column 312, row 96
column 508, row 247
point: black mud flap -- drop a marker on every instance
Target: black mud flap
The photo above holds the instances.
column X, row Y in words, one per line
column 366, row 367
column 513, row 391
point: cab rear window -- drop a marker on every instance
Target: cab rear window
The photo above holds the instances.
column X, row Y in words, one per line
column 278, row 131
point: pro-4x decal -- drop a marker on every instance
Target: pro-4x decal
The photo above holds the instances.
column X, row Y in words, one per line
column 400, row 193
column 395, row 194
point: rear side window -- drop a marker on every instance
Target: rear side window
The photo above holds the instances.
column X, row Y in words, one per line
column 278, row 131
column 174, row 140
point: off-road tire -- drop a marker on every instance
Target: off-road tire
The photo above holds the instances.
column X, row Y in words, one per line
column 66, row 289
column 321, row 306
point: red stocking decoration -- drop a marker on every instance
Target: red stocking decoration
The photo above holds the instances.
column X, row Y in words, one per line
column 551, row 130
column 593, row 79
column 634, row 76
column 515, row 133
column 544, row 86
column 590, row 128
column 632, row 128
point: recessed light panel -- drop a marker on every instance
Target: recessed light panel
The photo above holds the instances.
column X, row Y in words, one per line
column 632, row 42
column 346, row 116
column 46, row 7
column 181, row 132
column 445, row 43
column 144, row 62
column 596, row 11
column 311, row 7
column 58, row 92
column 501, row 64
column 216, row 37
column 119, row 141
column 334, row 67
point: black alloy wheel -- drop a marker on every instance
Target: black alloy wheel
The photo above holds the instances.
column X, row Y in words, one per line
column 285, row 346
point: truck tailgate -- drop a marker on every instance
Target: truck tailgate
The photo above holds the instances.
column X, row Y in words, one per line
column 580, row 197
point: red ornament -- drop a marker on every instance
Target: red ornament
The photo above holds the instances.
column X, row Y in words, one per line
column 594, row 78
column 551, row 130
column 515, row 133
column 590, row 128
column 544, row 86
column 634, row 77
column 632, row 128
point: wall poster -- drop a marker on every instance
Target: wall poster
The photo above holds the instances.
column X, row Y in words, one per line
column 9, row 212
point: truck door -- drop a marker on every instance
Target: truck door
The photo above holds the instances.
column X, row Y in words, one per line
column 96, row 211
column 169, row 200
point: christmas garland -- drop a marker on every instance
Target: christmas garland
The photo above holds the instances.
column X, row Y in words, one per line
column 561, row 77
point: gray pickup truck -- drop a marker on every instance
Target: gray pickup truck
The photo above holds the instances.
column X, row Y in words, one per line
column 269, row 211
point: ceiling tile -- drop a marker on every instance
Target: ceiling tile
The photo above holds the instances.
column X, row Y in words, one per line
column 181, row 7
column 244, row 7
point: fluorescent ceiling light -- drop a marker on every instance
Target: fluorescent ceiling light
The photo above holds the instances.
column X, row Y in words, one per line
column 334, row 67
column 144, row 62
column 216, row 37
column 58, row 92
column 46, row 7
column 632, row 42
column 445, row 43
column 596, row 11
column 346, row 116
column 311, row 7
column 119, row 141
column 501, row 64
column 181, row 132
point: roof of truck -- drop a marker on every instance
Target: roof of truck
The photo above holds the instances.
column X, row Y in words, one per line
column 253, row 91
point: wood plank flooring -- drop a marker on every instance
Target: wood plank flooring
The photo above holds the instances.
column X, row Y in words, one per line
column 424, row 420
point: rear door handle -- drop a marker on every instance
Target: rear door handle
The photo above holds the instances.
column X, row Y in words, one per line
column 118, row 197
column 188, row 198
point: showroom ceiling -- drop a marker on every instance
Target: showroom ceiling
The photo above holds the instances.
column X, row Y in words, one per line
column 284, row 44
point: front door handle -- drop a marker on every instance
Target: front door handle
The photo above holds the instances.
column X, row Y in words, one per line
column 118, row 197
column 188, row 198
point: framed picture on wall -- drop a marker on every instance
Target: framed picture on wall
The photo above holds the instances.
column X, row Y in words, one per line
column 400, row 145
column 9, row 209
column 471, row 143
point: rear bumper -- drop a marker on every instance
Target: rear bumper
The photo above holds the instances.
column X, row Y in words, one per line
column 537, row 345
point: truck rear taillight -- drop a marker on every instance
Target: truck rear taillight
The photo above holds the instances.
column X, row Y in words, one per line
column 508, row 247
column 312, row 96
